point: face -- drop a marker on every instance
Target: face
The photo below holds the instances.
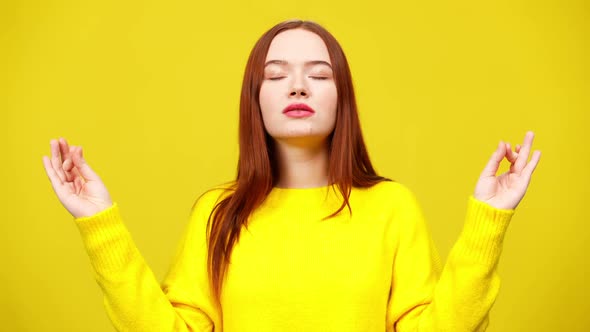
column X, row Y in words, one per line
column 298, row 71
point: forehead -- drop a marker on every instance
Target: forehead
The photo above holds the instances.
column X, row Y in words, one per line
column 297, row 45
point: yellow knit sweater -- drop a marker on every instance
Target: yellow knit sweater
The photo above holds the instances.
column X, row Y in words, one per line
column 377, row 270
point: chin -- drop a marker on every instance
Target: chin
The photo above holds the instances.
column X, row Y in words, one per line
column 303, row 129
column 300, row 137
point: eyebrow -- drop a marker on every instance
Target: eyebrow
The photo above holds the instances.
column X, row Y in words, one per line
column 307, row 63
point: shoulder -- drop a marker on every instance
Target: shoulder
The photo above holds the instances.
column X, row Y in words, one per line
column 392, row 192
column 401, row 208
column 390, row 198
column 208, row 199
column 202, row 207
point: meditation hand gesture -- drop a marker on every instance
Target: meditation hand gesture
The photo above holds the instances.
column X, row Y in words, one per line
column 508, row 189
column 79, row 189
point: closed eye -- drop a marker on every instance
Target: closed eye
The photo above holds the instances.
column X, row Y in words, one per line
column 312, row 77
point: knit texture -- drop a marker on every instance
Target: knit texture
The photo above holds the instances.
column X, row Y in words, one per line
column 375, row 270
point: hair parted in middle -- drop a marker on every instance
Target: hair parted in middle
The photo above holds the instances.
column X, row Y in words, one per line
column 257, row 172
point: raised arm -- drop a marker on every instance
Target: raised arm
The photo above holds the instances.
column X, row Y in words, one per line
column 425, row 296
column 133, row 298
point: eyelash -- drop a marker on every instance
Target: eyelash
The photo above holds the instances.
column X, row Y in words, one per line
column 314, row 77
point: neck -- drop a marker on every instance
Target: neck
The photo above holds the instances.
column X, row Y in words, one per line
column 302, row 165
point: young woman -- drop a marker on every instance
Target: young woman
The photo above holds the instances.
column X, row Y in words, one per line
column 308, row 237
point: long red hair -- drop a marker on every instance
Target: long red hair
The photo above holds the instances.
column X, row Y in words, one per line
column 257, row 173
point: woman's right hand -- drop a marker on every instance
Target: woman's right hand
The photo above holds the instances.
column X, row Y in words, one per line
column 79, row 189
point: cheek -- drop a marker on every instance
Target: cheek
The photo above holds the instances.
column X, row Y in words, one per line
column 266, row 100
column 328, row 93
column 330, row 100
column 263, row 96
column 333, row 104
column 268, row 103
column 269, row 95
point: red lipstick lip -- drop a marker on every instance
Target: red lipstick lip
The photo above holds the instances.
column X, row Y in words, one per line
column 299, row 106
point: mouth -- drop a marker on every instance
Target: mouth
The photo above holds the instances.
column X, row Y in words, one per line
column 299, row 110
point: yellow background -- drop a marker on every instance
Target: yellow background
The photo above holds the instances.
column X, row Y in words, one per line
column 151, row 89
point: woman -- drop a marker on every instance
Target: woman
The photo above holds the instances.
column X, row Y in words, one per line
column 277, row 250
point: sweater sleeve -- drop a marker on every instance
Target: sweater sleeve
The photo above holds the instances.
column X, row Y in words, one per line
column 426, row 297
column 133, row 298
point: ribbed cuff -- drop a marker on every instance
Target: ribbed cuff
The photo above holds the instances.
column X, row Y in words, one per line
column 483, row 233
column 107, row 240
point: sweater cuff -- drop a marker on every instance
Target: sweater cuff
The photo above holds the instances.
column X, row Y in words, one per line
column 107, row 240
column 483, row 233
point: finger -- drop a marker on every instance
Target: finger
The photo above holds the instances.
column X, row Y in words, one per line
column 83, row 167
column 56, row 182
column 79, row 183
column 517, row 148
column 56, row 161
column 72, row 174
column 75, row 172
column 523, row 155
column 532, row 165
column 64, row 148
column 494, row 162
column 67, row 165
column 510, row 155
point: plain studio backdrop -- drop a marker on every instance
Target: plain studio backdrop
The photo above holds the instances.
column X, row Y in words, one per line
column 151, row 91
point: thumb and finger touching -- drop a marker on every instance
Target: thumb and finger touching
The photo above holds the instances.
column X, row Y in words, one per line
column 494, row 162
column 85, row 171
column 518, row 158
column 511, row 155
column 67, row 165
column 65, row 158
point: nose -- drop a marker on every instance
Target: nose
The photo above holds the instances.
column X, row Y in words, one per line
column 298, row 88
column 298, row 92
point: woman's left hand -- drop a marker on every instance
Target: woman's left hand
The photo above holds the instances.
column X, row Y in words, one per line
column 507, row 190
